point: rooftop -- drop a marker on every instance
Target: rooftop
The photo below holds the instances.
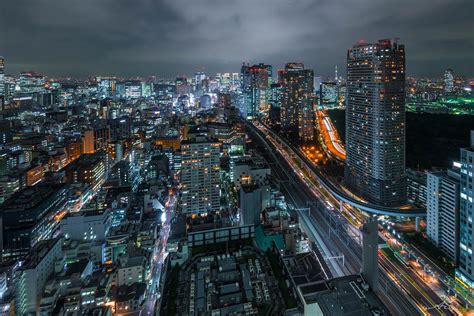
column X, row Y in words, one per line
column 125, row 293
column 265, row 242
column 38, row 252
column 85, row 160
column 88, row 213
column 304, row 268
column 30, row 197
column 76, row 267
column 135, row 261
column 255, row 162
column 343, row 296
column 200, row 139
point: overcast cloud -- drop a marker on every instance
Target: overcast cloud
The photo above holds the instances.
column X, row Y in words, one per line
column 171, row 37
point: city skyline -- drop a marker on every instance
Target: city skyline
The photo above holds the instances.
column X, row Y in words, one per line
column 168, row 38
column 303, row 171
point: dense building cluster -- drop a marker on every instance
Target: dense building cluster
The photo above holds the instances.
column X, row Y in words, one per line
column 219, row 194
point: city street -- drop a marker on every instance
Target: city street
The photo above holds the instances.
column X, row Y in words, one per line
column 151, row 304
column 429, row 303
column 237, row 158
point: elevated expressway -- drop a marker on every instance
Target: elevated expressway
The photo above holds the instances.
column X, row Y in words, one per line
column 334, row 190
column 329, row 137
column 334, row 236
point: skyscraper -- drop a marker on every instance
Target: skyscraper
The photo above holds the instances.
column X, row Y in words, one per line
column 297, row 115
column 375, row 122
column 448, row 79
column 256, row 81
column 200, row 175
column 465, row 272
column 2, row 80
column 327, row 94
column 198, row 78
column 274, row 115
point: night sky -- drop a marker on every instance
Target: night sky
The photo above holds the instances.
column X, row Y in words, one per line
column 172, row 37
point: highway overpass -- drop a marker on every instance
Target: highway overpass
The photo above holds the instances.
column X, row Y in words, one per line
column 331, row 187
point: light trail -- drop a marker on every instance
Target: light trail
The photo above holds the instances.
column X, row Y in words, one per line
column 330, row 138
column 316, row 189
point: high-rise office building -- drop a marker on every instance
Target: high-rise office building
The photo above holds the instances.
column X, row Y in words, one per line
column 328, row 93
column 106, row 86
column 275, row 95
column 147, row 88
column 448, row 79
column 297, row 114
column 133, row 89
column 182, row 85
column 235, row 80
column 2, row 80
column 225, row 82
column 274, row 114
column 375, row 122
column 256, row 81
column 442, row 211
column 200, row 175
column 198, row 78
column 31, row 82
column 465, row 271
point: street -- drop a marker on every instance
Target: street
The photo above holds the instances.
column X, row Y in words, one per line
column 159, row 255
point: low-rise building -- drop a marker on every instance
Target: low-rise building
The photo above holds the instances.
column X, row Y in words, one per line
column 348, row 295
column 30, row 216
column 131, row 270
column 249, row 170
column 128, row 298
column 254, row 198
column 88, row 168
column 212, row 236
column 86, row 225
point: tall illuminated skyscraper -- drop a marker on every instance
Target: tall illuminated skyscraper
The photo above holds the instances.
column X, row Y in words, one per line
column 375, row 122
column 448, row 79
column 2, row 80
column 256, row 81
column 465, row 271
column 297, row 115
